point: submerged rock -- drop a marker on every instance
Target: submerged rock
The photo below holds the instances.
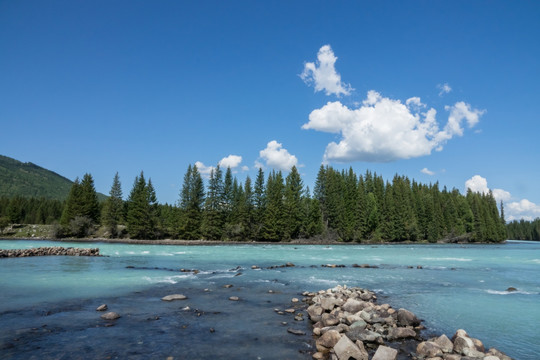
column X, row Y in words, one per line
column 110, row 316
column 174, row 297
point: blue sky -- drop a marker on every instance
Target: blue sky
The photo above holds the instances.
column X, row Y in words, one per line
column 437, row 91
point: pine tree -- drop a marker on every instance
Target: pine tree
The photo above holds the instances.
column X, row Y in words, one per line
column 140, row 222
column 113, row 208
column 89, row 199
column 191, row 202
column 259, row 205
column 274, row 219
column 292, row 204
column 213, row 220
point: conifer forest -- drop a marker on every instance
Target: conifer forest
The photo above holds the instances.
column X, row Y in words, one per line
column 342, row 206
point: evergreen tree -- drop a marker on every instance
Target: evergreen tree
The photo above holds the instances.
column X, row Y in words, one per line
column 89, row 199
column 259, row 205
column 191, row 202
column 274, row 219
column 141, row 221
column 293, row 204
column 214, row 221
column 114, row 207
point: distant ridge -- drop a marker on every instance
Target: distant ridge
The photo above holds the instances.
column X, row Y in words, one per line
column 30, row 180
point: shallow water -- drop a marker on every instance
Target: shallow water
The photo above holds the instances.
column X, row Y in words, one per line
column 47, row 304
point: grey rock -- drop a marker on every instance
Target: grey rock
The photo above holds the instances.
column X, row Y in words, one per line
column 401, row 333
column 295, row 332
column 407, row 318
column 462, row 345
column 444, row 342
column 428, row 349
column 110, row 316
column 102, row 307
column 346, row 349
column 385, row 353
column 234, row 298
column 327, row 341
column 329, row 319
column 360, row 324
column 353, row 306
column 174, row 297
column 363, row 335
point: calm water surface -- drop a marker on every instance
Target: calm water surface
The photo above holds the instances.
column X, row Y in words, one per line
column 47, row 304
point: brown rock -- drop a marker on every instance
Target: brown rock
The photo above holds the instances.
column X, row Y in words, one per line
column 428, row 349
column 401, row 333
column 327, row 341
column 444, row 342
column 407, row 318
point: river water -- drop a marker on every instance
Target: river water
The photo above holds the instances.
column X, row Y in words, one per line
column 47, row 304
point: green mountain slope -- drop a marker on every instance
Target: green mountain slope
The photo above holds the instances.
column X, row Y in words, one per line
column 29, row 180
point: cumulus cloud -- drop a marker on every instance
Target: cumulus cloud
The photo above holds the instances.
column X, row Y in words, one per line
column 384, row 129
column 427, row 172
column 444, row 89
column 203, row 169
column 322, row 74
column 231, row 161
column 515, row 210
column 277, row 157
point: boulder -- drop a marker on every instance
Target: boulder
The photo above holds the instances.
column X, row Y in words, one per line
column 444, row 342
column 463, row 345
column 407, row 318
column 330, row 319
column 346, row 349
column 478, row 345
column 174, row 297
column 401, row 333
column 385, row 353
column 363, row 335
column 499, row 354
column 327, row 341
column 330, row 302
column 353, row 306
column 451, row 357
column 360, row 324
column 428, row 349
column 110, row 316
column 315, row 311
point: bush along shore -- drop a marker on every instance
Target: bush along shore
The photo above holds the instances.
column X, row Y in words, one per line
column 348, row 323
column 49, row 251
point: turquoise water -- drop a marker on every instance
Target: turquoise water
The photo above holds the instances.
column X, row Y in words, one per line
column 47, row 304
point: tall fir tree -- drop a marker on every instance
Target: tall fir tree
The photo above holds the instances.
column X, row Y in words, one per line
column 113, row 210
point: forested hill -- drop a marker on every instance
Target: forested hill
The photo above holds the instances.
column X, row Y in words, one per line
column 31, row 181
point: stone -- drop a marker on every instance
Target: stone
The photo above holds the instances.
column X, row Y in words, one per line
column 385, row 353
column 295, row 332
column 102, row 307
column 478, row 345
column 491, row 357
column 329, row 303
column 360, row 324
column 327, row 341
column 318, row 356
column 407, row 318
column 174, row 297
column 363, row 335
column 428, row 349
column 444, row 342
column 346, row 349
column 295, row 300
column 463, row 344
column 499, row 354
column 401, row 333
column 353, row 306
column 110, row 316
column 234, row 298
column 329, row 319
column 227, row 286
column 290, row 311
column 451, row 357
column 315, row 311
column 511, row 289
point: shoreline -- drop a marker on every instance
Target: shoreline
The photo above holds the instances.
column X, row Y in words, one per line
column 296, row 242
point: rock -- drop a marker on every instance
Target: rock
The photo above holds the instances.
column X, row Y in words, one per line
column 491, row 357
column 234, row 298
column 353, row 306
column 346, row 349
column 315, row 311
column 511, row 289
column 227, row 286
column 295, row 332
column 407, row 318
column 329, row 303
column 318, row 356
column 289, row 264
column 451, row 357
column 499, row 354
column 329, row 319
column 110, row 316
column 444, row 342
column 428, row 349
column 290, row 311
column 174, row 297
column 295, row 300
column 327, row 341
column 478, row 345
column 401, row 333
column 254, row 267
column 363, row 335
column 102, row 307
column 463, row 345
column 385, row 353
column 360, row 324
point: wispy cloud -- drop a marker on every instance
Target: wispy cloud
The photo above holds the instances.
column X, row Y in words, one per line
column 427, row 172
column 444, row 89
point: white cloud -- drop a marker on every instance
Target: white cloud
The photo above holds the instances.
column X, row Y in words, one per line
column 384, row 130
column 277, row 157
column 427, row 172
column 203, row 169
column 522, row 209
column 445, row 89
column 231, row 161
column 322, row 74
column 245, row 168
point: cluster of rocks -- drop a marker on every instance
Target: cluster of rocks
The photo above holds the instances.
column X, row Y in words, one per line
column 49, row 251
column 348, row 323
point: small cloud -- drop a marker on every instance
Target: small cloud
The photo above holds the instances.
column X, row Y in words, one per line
column 277, row 157
column 323, row 75
column 203, row 169
column 444, row 89
column 427, row 172
column 231, row 161
column 245, row 168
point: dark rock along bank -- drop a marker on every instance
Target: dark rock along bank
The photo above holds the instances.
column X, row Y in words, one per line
column 49, row 251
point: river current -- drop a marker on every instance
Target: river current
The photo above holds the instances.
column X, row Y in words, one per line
column 48, row 304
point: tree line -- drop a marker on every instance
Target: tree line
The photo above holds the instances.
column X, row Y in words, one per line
column 343, row 206
column 524, row 230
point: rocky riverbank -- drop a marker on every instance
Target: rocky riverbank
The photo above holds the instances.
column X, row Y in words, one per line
column 49, row 251
column 348, row 323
